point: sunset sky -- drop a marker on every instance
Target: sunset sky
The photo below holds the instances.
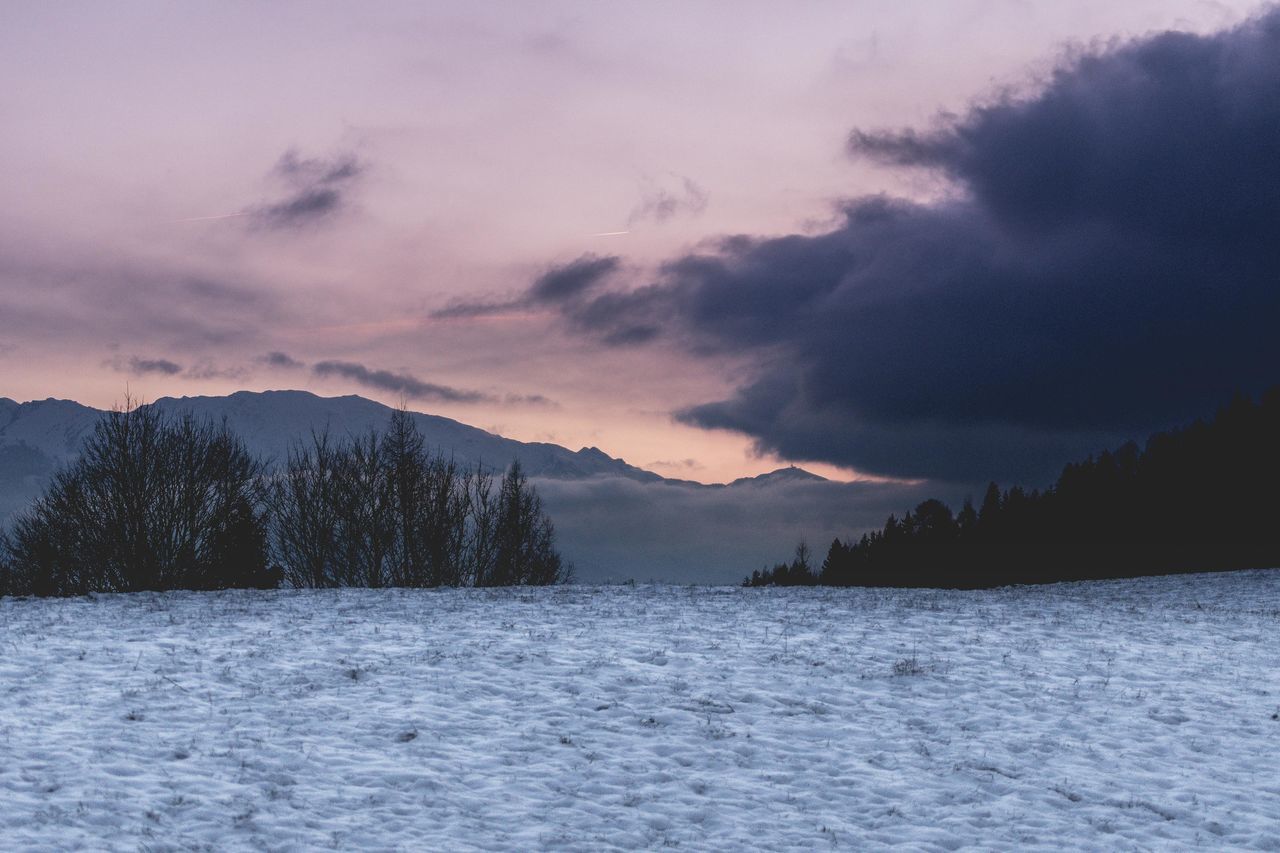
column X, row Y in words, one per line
column 515, row 215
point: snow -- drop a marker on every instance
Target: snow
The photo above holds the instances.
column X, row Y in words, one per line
column 1120, row 715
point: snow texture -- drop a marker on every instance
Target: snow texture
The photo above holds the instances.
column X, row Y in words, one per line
column 1124, row 715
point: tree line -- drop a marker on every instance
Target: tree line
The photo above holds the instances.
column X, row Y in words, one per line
column 1201, row 498
column 158, row 502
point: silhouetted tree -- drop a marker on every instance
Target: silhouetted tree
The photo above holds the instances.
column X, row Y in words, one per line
column 428, row 499
column 481, row 548
column 152, row 503
column 799, row 572
column 382, row 510
column 1197, row 499
column 308, row 514
column 524, row 538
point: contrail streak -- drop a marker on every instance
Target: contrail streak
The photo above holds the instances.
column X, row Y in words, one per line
column 609, row 233
column 207, row 218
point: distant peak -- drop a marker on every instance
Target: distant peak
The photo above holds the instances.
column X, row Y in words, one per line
column 52, row 401
column 790, row 474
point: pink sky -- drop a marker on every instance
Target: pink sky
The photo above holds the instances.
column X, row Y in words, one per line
column 488, row 142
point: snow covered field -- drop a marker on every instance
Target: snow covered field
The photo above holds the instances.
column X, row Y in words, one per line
column 1121, row 715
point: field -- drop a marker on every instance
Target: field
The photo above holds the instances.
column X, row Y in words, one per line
column 1122, row 715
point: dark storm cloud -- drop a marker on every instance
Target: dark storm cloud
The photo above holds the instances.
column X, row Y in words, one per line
column 558, row 286
column 317, row 188
column 1106, row 265
column 398, row 383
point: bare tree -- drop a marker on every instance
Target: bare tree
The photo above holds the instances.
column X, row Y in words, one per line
column 482, row 515
column 428, row 504
column 382, row 510
column 306, row 514
column 365, row 530
column 152, row 503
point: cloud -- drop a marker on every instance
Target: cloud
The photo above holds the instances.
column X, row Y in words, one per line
column 469, row 310
column 535, row 400
column 399, row 383
column 571, row 280
column 614, row 528
column 161, row 366
column 1104, row 266
column 574, row 291
column 76, row 292
column 202, row 369
column 208, row 369
column 281, row 359
column 317, row 188
column 660, row 202
column 683, row 465
column 317, row 170
column 559, row 285
column 402, row 383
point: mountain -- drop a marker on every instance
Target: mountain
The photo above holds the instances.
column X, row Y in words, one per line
column 35, row 438
column 615, row 520
column 790, row 475
column 38, row 436
column 271, row 421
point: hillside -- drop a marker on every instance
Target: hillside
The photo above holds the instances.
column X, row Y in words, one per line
column 1199, row 498
column 1124, row 715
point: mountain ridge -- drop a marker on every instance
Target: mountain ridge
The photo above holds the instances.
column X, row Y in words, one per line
column 39, row 435
column 614, row 520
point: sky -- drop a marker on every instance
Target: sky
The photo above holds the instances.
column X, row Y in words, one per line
column 902, row 240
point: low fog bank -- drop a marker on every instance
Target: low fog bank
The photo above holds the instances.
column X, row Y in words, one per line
column 614, row 529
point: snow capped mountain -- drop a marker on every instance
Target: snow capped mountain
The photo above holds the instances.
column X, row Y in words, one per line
column 37, row 436
column 52, row 428
column 615, row 519
column 791, row 474
column 271, row 421
column 46, row 433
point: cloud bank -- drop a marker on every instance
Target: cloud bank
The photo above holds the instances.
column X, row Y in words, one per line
column 615, row 529
column 1104, row 265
